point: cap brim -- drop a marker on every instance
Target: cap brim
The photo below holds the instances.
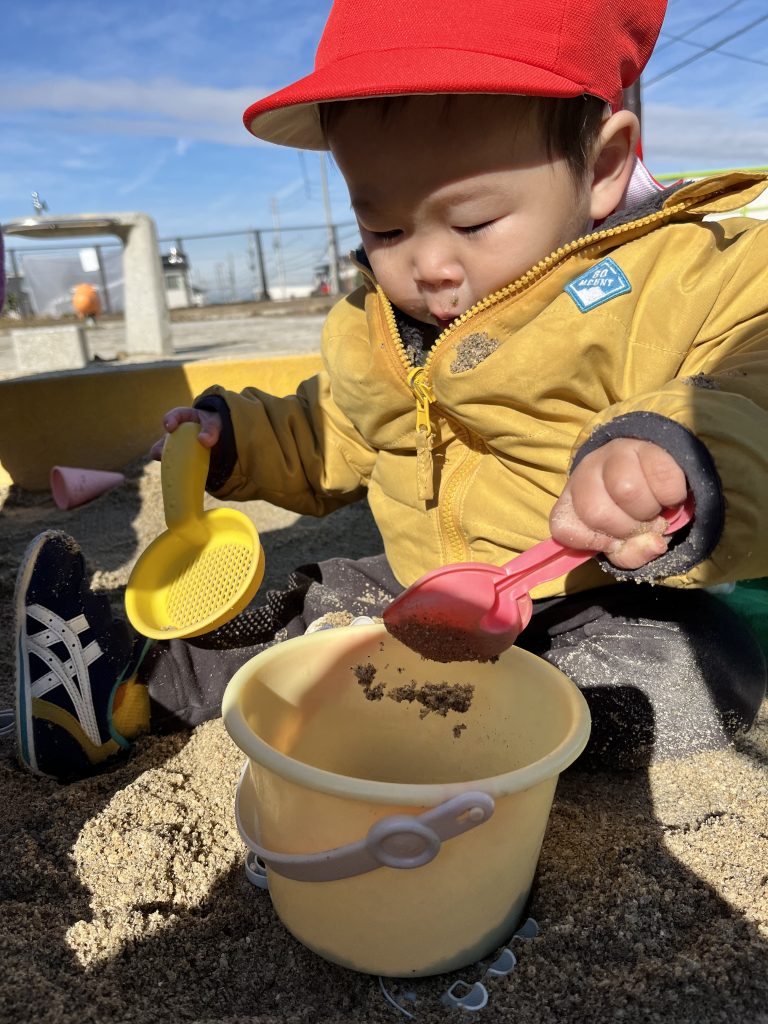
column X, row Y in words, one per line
column 291, row 117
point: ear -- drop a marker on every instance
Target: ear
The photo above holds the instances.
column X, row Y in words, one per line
column 613, row 160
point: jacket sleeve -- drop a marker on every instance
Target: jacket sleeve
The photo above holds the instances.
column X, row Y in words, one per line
column 300, row 452
column 713, row 418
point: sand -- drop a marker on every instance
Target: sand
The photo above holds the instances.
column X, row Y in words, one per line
column 124, row 896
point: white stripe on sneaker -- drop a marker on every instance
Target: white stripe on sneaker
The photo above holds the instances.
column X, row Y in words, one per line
column 72, row 674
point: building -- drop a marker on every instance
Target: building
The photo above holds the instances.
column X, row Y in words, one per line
column 179, row 290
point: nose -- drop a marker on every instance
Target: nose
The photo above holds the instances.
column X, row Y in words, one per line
column 435, row 267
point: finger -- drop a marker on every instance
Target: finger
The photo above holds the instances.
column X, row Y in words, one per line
column 626, row 485
column 175, row 417
column 595, row 507
column 569, row 529
column 156, row 451
column 665, row 478
column 637, row 551
column 210, row 429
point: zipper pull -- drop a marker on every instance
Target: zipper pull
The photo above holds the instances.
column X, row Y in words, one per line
column 425, row 435
column 424, row 397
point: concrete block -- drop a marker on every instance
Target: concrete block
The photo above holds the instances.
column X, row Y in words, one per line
column 40, row 349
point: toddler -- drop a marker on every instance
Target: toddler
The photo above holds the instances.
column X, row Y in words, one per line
column 545, row 341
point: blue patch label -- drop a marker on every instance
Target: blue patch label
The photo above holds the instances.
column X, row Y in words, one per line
column 597, row 285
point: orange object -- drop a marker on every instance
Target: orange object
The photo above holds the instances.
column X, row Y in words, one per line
column 86, row 301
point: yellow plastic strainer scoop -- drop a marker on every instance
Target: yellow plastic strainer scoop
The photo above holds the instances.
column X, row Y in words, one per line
column 206, row 567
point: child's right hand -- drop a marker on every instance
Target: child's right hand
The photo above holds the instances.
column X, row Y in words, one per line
column 613, row 500
column 210, row 427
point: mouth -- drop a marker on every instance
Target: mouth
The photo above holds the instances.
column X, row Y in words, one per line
column 443, row 321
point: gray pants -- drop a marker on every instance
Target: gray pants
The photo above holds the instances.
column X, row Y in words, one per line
column 665, row 672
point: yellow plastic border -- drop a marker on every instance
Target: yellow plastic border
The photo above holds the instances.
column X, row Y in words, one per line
column 105, row 418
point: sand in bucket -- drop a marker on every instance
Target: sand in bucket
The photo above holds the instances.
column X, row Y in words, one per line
column 357, row 767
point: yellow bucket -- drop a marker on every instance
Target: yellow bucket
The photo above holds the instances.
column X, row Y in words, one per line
column 396, row 842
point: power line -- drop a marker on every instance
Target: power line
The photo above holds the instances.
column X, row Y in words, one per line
column 697, row 26
column 723, row 53
column 709, row 49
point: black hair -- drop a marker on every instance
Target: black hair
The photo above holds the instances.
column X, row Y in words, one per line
column 570, row 126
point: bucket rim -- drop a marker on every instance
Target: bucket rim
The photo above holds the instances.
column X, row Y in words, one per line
column 407, row 794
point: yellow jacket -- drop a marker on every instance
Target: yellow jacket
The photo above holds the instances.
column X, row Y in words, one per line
column 656, row 328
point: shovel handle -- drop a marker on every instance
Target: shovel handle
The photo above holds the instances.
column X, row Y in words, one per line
column 183, row 472
column 543, row 562
column 550, row 559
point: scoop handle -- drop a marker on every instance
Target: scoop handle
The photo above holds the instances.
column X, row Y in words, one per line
column 550, row 559
column 183, row 472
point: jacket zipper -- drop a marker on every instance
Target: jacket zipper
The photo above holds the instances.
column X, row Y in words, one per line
column 425, row 434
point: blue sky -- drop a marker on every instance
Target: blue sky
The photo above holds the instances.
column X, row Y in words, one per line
column 109, row 106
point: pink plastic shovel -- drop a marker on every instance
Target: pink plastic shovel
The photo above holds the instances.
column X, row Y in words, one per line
column 471, row 611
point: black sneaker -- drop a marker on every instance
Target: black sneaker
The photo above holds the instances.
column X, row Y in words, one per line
column 71, row 655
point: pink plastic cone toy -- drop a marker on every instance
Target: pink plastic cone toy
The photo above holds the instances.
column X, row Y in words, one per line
column 72, row 487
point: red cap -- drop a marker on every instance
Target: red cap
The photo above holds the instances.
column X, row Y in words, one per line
column 399, row 47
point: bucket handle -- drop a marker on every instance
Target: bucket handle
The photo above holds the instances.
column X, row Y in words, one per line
column 398, row 841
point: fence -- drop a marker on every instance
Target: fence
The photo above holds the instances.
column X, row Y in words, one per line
column 238, row 266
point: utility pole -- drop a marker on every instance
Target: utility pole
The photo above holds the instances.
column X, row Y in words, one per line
column 260, row 292
column 232, row 278
column 633, row 102
column 278, row 247
column 221, row 281
column 333, row 256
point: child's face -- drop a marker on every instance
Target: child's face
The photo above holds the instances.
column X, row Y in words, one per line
column 452, row 208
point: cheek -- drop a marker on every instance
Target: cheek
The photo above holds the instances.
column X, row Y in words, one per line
column 556, row 227
column 488, row 276
column 388, row 272
column 512, row 253
column 574, row 216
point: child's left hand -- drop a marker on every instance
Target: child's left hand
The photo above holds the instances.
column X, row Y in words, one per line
column 613, row 499
column 210, row 427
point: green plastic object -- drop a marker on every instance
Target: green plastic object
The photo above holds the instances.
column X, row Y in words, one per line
column 749, row 599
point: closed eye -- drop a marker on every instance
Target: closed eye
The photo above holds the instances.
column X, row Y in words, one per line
column 475, row 229
column 386, row 236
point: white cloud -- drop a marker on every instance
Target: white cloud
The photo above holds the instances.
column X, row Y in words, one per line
column 693, row 139
column 147, row 174
column 179, row 149
column 161, row 107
